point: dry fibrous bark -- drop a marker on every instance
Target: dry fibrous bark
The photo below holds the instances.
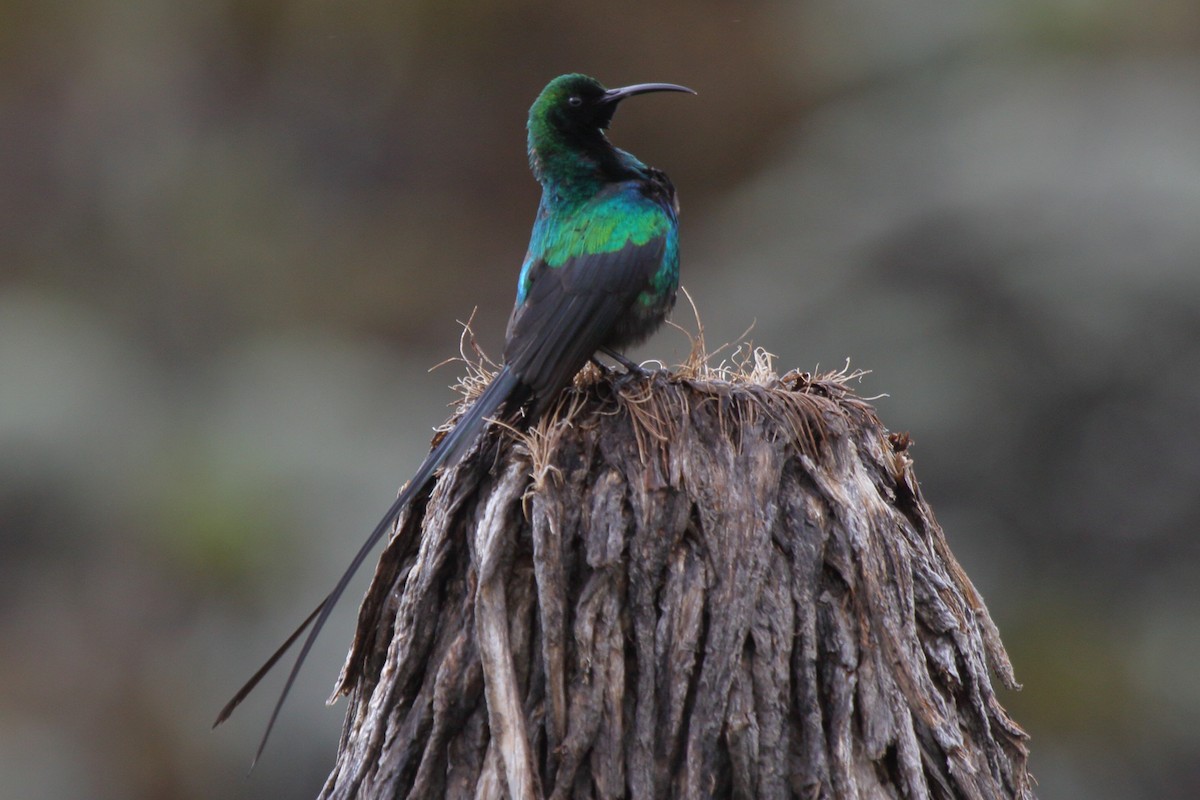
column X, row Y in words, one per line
column 679, row 587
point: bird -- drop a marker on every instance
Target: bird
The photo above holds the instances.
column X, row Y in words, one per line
column 600, row 275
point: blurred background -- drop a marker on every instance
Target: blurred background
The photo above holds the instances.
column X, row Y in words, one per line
column 236, row 235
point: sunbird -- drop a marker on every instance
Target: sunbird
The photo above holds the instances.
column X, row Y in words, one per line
column 600, row 275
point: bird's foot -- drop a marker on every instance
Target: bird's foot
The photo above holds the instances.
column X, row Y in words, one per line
column 630, row 367
column 605, row 369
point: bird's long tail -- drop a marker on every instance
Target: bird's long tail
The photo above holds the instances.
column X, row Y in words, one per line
column 499, row 392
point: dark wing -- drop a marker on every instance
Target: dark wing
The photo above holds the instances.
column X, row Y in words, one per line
column 570, row 311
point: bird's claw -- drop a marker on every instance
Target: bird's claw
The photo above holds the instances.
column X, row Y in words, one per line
column 605, row 369
column 631, row 368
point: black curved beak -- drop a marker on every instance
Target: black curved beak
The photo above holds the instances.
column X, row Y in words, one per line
column 614, row 96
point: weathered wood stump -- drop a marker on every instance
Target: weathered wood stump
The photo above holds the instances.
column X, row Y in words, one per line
column 679, row 587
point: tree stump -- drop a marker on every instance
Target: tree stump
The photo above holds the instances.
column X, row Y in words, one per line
column 678, row 586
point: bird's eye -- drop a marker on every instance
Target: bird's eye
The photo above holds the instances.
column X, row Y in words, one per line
column 574, row 101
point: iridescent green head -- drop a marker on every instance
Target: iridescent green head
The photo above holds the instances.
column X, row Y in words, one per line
column 568, row 120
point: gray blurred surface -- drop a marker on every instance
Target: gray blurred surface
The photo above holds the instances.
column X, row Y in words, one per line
column 236, row 236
